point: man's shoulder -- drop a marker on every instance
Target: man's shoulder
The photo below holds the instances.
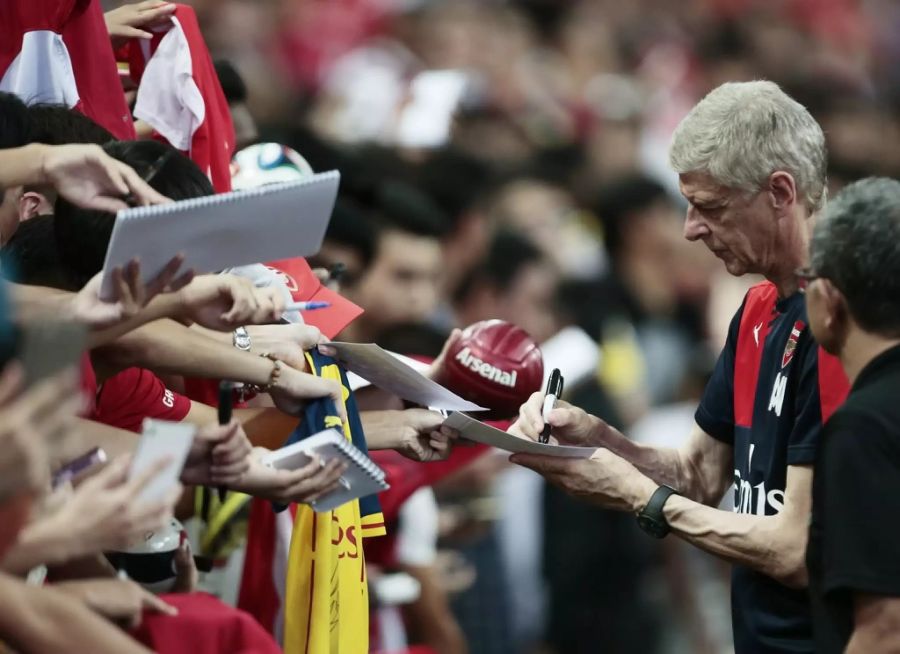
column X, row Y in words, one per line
column 861, row 425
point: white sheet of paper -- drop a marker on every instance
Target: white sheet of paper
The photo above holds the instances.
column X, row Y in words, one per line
column 268, row 223
column 357, row 382
column 474, row 430
column 375, row 364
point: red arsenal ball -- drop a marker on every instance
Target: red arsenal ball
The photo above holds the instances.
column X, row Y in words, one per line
column 495, row 364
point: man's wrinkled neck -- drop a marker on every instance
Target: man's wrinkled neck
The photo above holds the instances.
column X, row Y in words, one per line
column 792, row 252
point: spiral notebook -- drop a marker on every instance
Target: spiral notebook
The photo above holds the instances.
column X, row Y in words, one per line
column 363, row 476
column 278, row 221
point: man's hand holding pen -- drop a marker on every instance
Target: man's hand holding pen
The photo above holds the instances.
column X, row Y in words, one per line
column 605, row 479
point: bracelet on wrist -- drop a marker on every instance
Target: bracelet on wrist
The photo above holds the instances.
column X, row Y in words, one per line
column 274, row 375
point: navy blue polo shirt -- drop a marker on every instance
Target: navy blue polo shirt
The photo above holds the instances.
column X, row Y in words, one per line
column 771, row 390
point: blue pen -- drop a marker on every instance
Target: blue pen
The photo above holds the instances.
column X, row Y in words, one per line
column 307, row 306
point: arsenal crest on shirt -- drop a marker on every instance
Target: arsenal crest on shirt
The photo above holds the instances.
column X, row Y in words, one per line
column 791, row 344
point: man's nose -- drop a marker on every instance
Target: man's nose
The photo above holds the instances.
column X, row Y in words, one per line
column 694, row 227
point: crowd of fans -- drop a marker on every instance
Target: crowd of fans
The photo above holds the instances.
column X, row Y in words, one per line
column 499, row 160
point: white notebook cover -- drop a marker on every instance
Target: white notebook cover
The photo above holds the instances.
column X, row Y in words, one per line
column 363, row 476
column 272, row 222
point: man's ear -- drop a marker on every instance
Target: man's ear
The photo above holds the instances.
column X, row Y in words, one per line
column 782, row 191
column 837, row 313
column 32, row 204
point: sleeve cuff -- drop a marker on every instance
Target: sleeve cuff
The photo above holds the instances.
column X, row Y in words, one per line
column 884, row 583
column 801, row 455
column 721, row 431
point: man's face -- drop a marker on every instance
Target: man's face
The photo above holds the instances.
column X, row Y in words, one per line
column 528, row 302
column 332, row 253
column 739, row 228
column 402, row 284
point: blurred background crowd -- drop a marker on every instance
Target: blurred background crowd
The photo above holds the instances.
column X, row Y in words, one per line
column 516, row 152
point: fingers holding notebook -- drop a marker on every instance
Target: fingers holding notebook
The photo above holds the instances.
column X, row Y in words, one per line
column 292, row 389
column 304, row 484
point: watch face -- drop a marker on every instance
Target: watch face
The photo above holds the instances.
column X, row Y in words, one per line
column 651, row 526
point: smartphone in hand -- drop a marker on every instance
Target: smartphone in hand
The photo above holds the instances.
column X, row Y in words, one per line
column 162, row 439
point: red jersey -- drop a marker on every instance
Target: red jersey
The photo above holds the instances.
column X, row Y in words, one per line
column 125, row 399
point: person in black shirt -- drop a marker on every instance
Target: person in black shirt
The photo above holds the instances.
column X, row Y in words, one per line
column 853, row 300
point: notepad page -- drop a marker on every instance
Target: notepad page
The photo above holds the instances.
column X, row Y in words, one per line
column 272, row 222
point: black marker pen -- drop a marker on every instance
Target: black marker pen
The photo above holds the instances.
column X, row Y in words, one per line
column 554, row 390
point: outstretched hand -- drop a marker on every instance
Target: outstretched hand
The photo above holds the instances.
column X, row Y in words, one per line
column 131, row 294
column 218, row 456
column 304, row 484
column 88, row 177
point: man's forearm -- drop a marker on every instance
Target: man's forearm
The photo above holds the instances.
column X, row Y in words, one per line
column 661, row 464
column 700, row 469
column 168, row 347
column 765, row 543
column 876, row 624
column 871, row 638
column 381, row 428
column 22, row 166
column 30, row 302
column 35, row 302
column 164, row 305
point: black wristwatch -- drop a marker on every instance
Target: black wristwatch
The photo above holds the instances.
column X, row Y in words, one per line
column 651, row 518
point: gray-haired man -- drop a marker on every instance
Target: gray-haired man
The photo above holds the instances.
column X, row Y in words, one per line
column 751, row 164
column 853, row 301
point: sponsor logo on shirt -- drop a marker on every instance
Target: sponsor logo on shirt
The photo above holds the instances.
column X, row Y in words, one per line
column 754, row 499
column 776, row 400
column 485, row 369
column 168, row 399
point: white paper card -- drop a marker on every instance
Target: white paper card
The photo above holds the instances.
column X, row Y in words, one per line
column 376, row 365
column 477, row 431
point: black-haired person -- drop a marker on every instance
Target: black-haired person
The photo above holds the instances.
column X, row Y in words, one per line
column 235, row 90
column 853, row 300
column 514, row 282
column 402, row 284
column 648, row 284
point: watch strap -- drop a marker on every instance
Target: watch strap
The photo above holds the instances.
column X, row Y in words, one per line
column 654, row 507
column 651, row 518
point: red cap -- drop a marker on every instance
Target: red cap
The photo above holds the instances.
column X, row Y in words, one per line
column 306, row 287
